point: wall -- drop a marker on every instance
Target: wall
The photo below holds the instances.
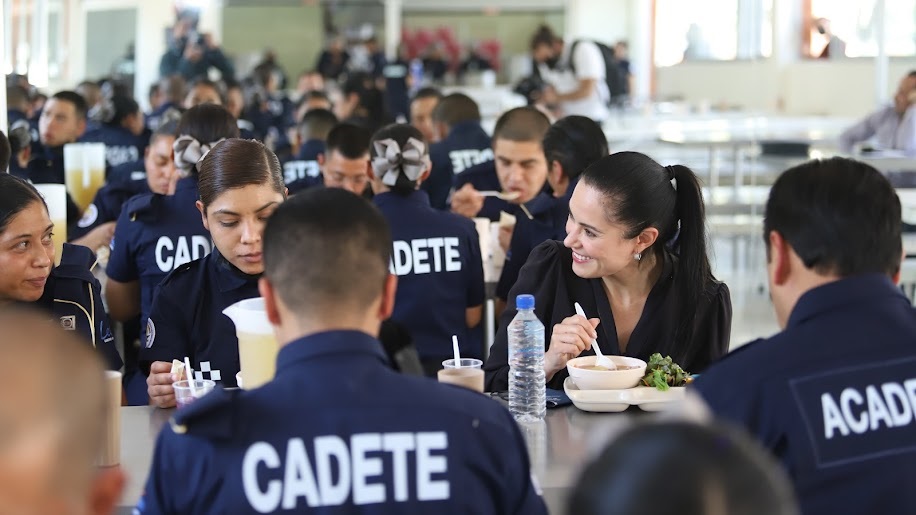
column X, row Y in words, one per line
column 107, row 35
column 295, row 33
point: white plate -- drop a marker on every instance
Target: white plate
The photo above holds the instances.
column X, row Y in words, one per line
column 615, row 401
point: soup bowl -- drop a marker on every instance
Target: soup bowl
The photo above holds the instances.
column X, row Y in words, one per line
column 629, row 372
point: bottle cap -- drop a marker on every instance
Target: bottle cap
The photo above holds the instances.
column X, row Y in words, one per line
column 524, row 302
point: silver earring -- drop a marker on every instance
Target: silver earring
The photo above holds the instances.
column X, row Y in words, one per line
column 637, row 256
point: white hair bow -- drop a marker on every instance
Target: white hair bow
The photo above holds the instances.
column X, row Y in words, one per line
column 189, row 152
column 391, row 160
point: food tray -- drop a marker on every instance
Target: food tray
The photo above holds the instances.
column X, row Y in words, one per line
column 615, row 401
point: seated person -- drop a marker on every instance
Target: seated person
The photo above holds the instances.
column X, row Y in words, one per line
column 235, row 103
column 399, row 444
column 68, row 294
column 120, row 128
column 345, row 162
column 635, row 258
column 436, row 254
column 422, row 105
column 518, row 168
column 462, row 144
column 171, row 93
column 240, row 185
column 304, row 170
column 892, row 127
column 53, row 407
column 204, row 91
column 729, row 473
column 831, row 395
column 570, row 146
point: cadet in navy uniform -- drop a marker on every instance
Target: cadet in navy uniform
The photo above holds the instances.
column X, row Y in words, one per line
column 381, row 443
column 304, row 171
column 171, row 89
column 240, row 186
column 570, row 145
column 157, row 233
column 436, row 255
column 643, row 296
column 162, row 178
column 68, row 291
column 345, row 163
column 833, row 395
column 121, row 130
column 462, row 144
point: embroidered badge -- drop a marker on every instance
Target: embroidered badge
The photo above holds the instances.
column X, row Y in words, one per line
column 150, row 332
column 89, row 217
column 68, row 322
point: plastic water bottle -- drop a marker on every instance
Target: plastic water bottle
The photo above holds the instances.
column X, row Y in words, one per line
column 527, row 389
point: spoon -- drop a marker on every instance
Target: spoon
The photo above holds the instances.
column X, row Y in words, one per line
column 509, row 195
column 602, row 361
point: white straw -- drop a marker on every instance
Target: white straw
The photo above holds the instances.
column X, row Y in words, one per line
column 455, row 350
column 189, row 372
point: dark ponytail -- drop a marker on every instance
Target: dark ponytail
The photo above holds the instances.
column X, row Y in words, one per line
column 15, row 195
column 640, row 193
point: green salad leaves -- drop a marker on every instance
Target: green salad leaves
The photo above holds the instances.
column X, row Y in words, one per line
column 663, row 373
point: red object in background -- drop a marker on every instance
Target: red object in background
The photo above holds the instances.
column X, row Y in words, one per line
column 417, row 43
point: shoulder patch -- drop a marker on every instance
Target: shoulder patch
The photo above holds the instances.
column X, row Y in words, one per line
column 68, row 323
column 150, row 333
column 89, row 217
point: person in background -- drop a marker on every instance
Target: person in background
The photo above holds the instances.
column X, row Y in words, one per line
column 312, row 100
column 269, row 61
column 121, row 130
column 376, row 57
column 363, row 103
column 835, row 47
column 171, row 96
column 729, row 473
column 830, row 395
column 309, row 80
column 19, row 109
column 271, row 112
column 622, row 55
column 91, row 93
column 203, row 91
column 435, row 66
column 192, row 54
column 422, row 105
column 473, row 63
column 67, row 293
column 462, row 144
column 53, row 406
column 20, row 148
column 240, row 185
column 157, row 233
column 333, row 60
column 235, row 104
column 635, row 258
column 345, row 162
column 327, row 288
column 570, row 146
column 892, row 127
column 449, row 279
column 39, row 100
column 304, row 171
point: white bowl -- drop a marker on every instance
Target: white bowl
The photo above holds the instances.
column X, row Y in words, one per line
column 606, row 379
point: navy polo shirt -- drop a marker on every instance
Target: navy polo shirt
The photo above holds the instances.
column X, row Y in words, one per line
column 154, row 118
column 187, row 318
column 338, row 431
column 130, row 171
column 107, row 205
column 466, row 146
column 154, row 235
column 73, row 295
column 121, row 145
column 303, row 171
column 833, row 396
column 436, row 257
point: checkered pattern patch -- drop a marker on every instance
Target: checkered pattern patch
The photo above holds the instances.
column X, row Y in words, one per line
column 206, row 373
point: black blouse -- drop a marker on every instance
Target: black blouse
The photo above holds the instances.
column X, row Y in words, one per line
column 548, row 275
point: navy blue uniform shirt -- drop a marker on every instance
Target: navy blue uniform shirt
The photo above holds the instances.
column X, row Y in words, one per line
column 339, row 432
column 833, row 396
column 154, row 118
column 129, row 171
column 187, row 318
column 154, row 235
column 466, row 146
column 483, row 177
column 121, row 145
column 436, row 257
column 533, row 226
column 303, row 172
column 107, row 205
column 73, row 295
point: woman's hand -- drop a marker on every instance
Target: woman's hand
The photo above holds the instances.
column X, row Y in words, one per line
column 570, row 337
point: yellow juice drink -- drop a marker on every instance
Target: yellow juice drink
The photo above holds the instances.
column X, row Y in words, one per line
column 84, row 171
column 258, row 358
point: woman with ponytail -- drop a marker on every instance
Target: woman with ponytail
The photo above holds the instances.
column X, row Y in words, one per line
column 121, row 128
column 635, row 258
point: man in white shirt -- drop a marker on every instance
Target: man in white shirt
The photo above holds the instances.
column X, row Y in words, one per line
column 892, row 127
column 575, row 74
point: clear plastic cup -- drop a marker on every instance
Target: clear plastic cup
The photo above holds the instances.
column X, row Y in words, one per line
column 184, row 395
column 463, row 363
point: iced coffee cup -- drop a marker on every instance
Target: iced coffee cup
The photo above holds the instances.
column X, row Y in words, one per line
column 467, row 372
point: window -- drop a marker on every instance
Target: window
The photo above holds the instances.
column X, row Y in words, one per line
column 712, row 30
column 854, row 23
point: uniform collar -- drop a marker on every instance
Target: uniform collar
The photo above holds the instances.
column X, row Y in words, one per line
column 347, row 344
column 227, row 275
column 859, row 289
column 539, row 204
column 186, row 183
column 464, row 127
column 417, row 197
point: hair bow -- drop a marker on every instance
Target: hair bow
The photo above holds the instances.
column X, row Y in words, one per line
column 391, row 160
column 189, row 152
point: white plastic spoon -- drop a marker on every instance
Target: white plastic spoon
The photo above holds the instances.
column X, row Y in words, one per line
column 509, row 195
column 602, row 361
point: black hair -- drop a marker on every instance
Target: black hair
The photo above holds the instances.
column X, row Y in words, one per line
column 154, row 89
column 215, row 86
column 208, row 123
column 544, row 35
column 352, row 141
column 117, row 109
column 456, row 108
column 521, row 124
column 6, row 153
column 326, row 248
column 20, row 136
column 427, row 92
column 168, row 126
column 839, row 215
column 236, row 163
column 638, row 194
column 16, row 97
column 728, row 473
column 370, row 109
column 15, row 195
column 317, row 124
column 575, row 142
column 173, row 88
column 400, row 133
column 79, row 103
